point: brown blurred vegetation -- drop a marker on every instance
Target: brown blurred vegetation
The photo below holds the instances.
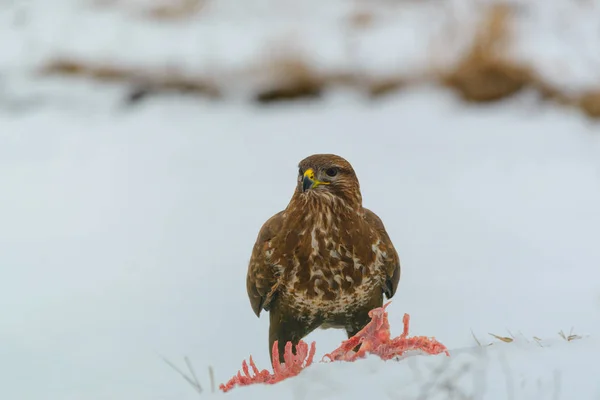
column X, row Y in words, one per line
column 486, row 73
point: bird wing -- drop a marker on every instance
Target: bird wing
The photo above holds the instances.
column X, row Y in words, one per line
column 261, row 280
column 391, row 261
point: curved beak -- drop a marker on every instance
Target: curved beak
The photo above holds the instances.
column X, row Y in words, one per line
column 309, row 181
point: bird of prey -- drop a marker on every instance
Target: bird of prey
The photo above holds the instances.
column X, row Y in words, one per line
column 325, row 261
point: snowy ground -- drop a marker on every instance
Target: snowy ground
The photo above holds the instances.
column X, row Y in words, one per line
column 125, row 232
column 125, row 236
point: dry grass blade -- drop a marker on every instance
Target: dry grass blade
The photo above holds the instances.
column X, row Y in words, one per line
column 193, row 382
column 211, row 374
column 475, row 337
column 562, row 335
column 191, row 368
column 477, row 340
column 502, row 338
column 570, row 337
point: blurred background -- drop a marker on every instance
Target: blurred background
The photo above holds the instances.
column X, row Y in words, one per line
column 143, row 143
column 267, row 51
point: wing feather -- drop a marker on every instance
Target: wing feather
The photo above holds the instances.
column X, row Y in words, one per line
column 261, row 282
column 392, row 261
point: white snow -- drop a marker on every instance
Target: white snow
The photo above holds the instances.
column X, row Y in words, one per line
column 125, row 237
column 125, row 232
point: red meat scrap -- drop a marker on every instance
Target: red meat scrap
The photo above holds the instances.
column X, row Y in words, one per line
column 293, row 364
column 374, row 338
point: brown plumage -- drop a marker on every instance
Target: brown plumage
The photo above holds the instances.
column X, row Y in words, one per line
column 325, row 260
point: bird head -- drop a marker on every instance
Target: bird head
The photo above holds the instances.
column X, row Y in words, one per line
column 324, row 175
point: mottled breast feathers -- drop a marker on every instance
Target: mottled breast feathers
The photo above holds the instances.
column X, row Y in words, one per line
column 283, row 244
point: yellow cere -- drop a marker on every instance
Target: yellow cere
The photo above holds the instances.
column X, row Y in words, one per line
column 310, row 174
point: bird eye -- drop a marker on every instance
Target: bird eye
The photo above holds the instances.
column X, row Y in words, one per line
column 331, row 171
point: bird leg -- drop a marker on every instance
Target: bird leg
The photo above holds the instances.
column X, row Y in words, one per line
column 285, row 328
column 361, row 319
column 351, row 332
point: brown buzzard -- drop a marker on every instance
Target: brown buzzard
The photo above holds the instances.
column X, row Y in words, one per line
column 325, row 261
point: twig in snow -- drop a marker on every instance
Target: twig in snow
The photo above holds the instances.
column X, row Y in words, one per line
column 475, row 337
column 570, row 337
column 192, row 381
column 211, row 374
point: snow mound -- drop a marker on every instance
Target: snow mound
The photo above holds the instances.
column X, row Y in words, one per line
column 520, row 370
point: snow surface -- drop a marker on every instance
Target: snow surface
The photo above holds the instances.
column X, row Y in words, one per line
column 125, row 236
column 125, row 232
